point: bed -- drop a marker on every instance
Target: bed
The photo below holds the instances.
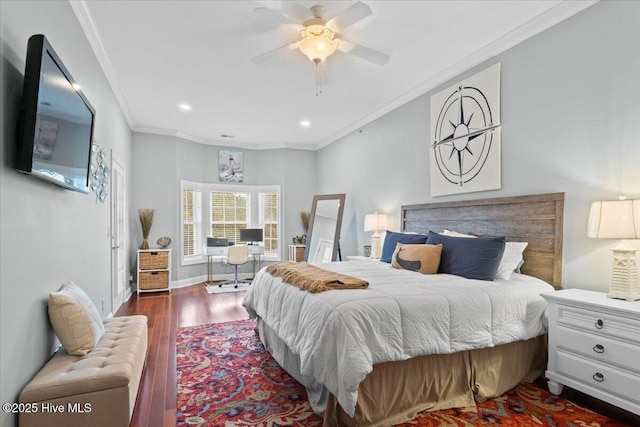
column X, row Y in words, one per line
column 408, row 342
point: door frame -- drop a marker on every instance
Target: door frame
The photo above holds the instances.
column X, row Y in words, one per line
column 118, row 195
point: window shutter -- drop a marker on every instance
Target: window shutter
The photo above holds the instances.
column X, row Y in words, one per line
column 230, row 212
column 191, row 222
column 269, row 218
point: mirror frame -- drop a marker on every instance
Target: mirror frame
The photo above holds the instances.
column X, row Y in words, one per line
column 336, row 238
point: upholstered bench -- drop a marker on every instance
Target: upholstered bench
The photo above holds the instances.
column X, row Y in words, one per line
column 97, row 389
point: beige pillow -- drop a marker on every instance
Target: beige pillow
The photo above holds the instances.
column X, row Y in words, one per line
column 75, row 319
column 422, row 257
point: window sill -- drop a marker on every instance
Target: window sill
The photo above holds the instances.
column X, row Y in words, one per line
column 193, row 261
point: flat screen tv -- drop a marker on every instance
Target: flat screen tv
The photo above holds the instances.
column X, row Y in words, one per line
column 55, row 129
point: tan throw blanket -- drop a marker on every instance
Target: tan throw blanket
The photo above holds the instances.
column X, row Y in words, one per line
column 314, row 279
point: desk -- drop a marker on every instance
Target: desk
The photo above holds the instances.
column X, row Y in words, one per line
column 255, row 254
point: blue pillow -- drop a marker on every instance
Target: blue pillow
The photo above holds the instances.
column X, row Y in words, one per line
column 471, row 258
column 392, row 238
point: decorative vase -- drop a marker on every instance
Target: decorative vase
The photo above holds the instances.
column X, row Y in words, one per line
column 145, row 244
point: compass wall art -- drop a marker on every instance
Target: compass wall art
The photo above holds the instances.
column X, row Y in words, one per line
column 465, row 135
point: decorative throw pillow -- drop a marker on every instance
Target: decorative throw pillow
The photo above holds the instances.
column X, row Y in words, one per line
column 471, row 258
column 75, row 319
column 423, row 258
column 393, row 238
column 511, row 259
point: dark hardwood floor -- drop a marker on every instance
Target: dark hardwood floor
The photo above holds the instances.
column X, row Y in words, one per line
column 192, row 305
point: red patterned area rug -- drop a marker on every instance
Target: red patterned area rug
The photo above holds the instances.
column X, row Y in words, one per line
column 227, row 378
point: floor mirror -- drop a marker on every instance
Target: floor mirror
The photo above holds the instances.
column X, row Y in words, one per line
column 323, row 240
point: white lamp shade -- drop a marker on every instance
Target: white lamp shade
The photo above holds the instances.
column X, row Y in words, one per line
column 375, row 222
column 614, row 219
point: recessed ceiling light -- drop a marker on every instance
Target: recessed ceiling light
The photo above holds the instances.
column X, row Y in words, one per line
column 305, row 123
column 185, row 107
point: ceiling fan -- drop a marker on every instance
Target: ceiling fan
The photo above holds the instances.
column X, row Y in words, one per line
column 317, row 39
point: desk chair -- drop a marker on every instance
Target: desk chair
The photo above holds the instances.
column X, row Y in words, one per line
column 238, row 255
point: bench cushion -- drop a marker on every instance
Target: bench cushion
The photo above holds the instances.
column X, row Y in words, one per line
column 117, row 358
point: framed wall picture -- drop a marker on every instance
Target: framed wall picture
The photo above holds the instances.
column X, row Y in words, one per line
column 230, row 166
column 465, row 135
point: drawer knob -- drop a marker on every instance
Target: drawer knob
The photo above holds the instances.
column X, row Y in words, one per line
column 599, row 324
column 598, row 377
column 598, row 348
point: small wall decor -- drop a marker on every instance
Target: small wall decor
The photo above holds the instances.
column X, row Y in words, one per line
column 465, row 129
column 230, row 166
column 99, row 173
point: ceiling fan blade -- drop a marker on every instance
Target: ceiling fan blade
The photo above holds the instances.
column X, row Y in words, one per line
column 349, row 16
column 274, row 16
column 365, row 53
column 273, row 53
column 296, row 11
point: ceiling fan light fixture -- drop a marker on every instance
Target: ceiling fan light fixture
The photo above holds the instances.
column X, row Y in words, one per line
column 317, row 42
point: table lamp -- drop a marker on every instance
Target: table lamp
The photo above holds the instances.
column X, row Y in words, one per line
column 375, row 222
column 619, row 219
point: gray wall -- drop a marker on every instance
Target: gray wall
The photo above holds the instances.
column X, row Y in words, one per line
column 161, row 162
column 570, row 122
column 48, row 235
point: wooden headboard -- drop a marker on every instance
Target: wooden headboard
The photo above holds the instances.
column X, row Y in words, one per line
column 536, row 219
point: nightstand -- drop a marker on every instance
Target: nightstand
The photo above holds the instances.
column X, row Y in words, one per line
column 594, row 346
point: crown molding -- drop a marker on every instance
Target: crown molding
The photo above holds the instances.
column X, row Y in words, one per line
column 88, row 26
column 534, row 26
column 220, row 143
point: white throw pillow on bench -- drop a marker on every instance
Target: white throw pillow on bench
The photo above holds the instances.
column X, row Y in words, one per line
column 75, row 319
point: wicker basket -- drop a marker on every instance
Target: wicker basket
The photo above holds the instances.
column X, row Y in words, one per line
column 154, row 260
column 154, row 280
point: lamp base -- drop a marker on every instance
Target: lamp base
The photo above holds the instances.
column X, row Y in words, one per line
column 624, row 277
column 376, row 249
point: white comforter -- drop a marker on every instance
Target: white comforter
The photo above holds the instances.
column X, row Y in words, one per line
column 339, row 335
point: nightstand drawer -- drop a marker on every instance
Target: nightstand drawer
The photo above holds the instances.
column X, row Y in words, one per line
column 600, row 323
column 599, row 347
column 600, row 376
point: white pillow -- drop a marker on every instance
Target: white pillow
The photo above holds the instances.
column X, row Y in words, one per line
column 511, row 258
column 75, row 319
column 456, row 234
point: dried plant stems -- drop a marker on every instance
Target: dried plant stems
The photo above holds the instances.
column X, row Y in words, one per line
column 304, row 216
column 146, row 221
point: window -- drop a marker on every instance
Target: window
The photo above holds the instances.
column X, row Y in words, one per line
column 269, row 219
column 229, row 209
column 229, row 212
column 192, row 247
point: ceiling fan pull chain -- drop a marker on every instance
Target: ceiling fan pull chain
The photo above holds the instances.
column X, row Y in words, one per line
column 317, row 77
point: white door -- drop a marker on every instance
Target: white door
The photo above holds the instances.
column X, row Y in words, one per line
column 119, row 280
